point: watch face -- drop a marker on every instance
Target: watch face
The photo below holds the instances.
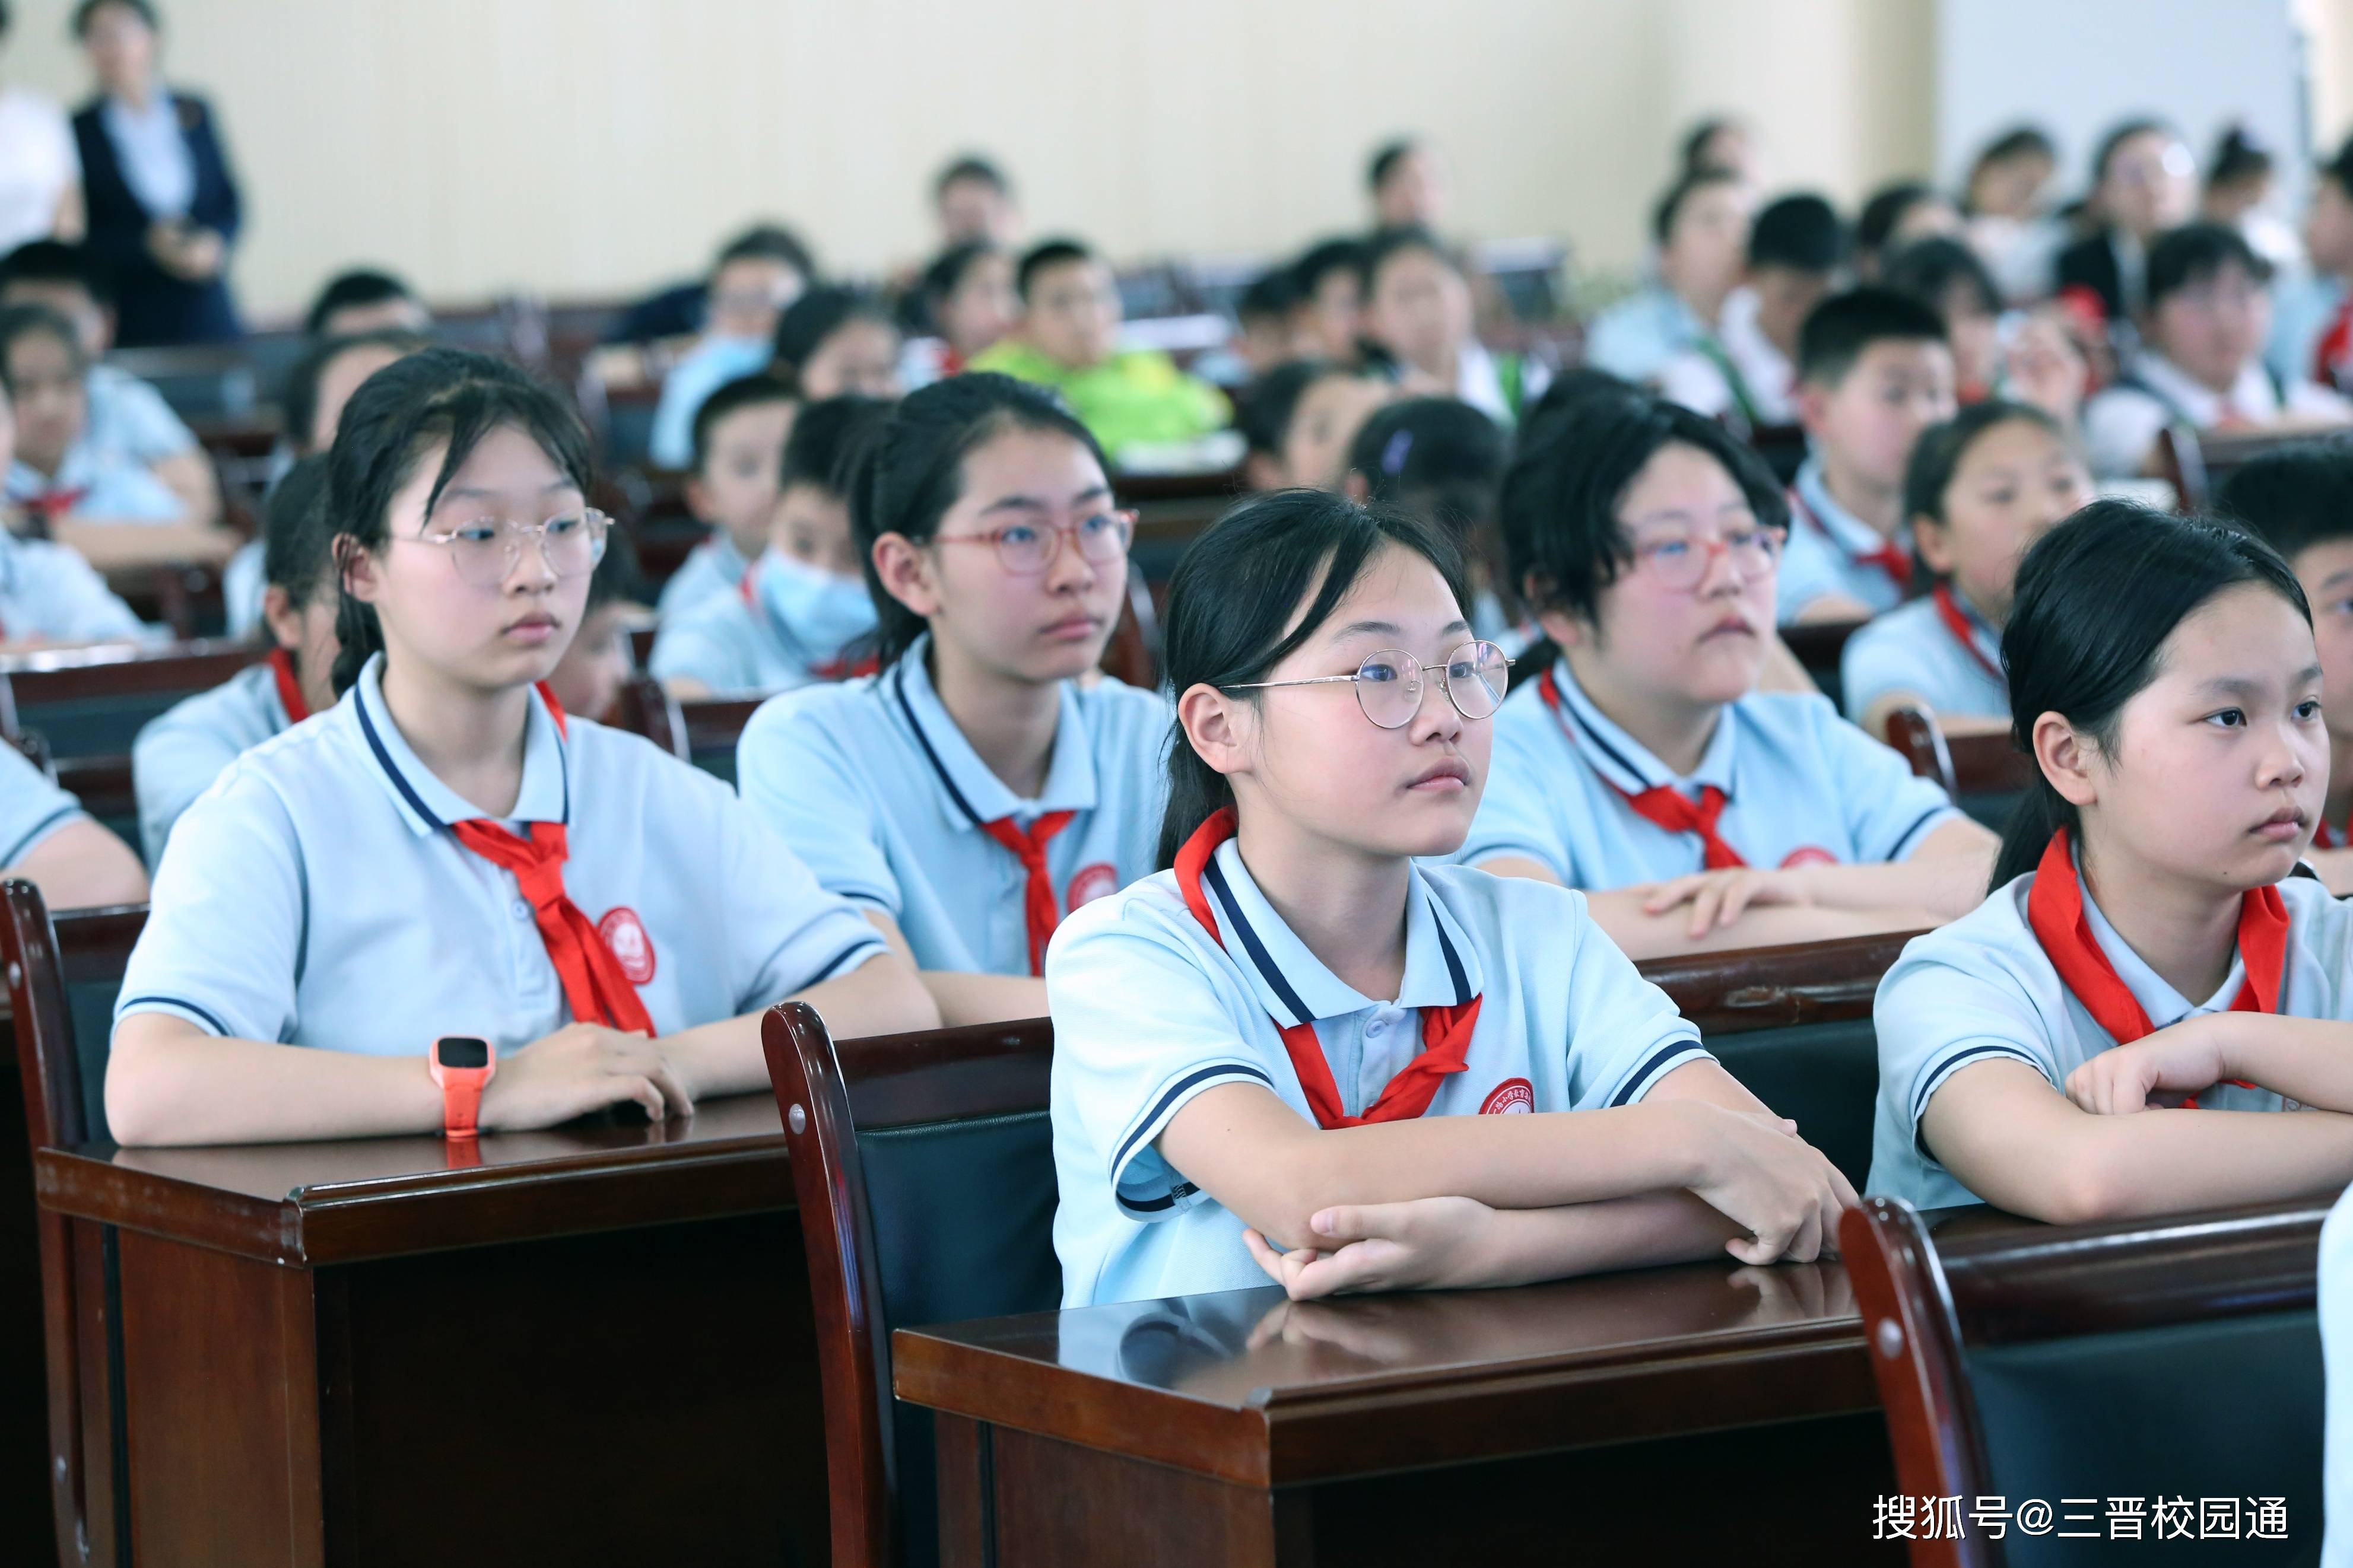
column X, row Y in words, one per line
column 459, row 1051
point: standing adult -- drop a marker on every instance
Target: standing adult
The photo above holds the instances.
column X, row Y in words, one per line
column 40, row 178
column 164, row 207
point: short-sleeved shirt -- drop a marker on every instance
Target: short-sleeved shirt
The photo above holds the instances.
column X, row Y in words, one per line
column 1827, row 543
column 49, row 594
column 1910, row 649
column 1634, row 338
column 130, row 417
column 732, row 643
column 1739, row 372
column 2121, row 424
column 713, row 569
column 874, row 786
column 31, row 806
column 1801, row 785
column 708, row 366
column 105, row 486
column 1149, row 1011
column 1982, row 988
column 314, row 895
column 179, row 753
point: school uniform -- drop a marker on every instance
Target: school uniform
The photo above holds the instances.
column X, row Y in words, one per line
column 1985, row 987
column 1833, row 552
column 2121, row 424
column 1634, row 338
column 328, row 890
column 1938, row 648
column 1783, row 782
column 96, row 483
column 708, row 366
column 129, row 416
column 31, row 806
column 750, row 641
column 179, row 753
column 1509, row 976
column 1739, row 372
column 874, row 786
column 49, row 594
column 712, row 569
column 1498, row 386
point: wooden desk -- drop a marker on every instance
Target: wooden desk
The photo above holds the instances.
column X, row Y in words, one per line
column 1697, row 1413
column 594, row 1348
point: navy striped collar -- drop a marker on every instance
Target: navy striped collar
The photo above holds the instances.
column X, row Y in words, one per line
column 1625, row 762
column 970, row 794
column 1811, row 502
column 425, row 802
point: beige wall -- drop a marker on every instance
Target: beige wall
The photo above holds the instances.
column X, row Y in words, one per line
column 588, row 146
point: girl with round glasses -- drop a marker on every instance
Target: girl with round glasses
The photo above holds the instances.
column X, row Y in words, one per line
column 1639, row 761
column 444, row 860
column 1310, row 1051
column 989, row 780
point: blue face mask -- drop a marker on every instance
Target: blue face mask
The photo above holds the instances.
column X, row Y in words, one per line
column 823, row 613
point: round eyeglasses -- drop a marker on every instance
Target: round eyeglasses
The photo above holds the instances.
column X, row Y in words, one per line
column 486, row 550
column 1026, row 549
column 1389, row 683
column 1682, row 560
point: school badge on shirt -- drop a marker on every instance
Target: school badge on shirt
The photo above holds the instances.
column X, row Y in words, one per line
column 625, row 934
column 1513, row 1097
column 1100, row 880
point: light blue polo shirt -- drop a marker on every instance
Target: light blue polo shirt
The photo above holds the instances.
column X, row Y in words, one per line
column 179, row 753
column 708, row 366
column 312, row 895
column 733, row 648
column 49, row 594
column 711, row 570
column 130, row 416
column 31, row 806
column 1634, row 338
column 1149, row 1011
column 1910, row 649
column 1801, row 785
column 1825, row 541
column 1982, row 987
column 874, row 786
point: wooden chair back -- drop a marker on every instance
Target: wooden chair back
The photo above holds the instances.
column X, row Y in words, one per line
column 1984, row 773
column 92, row 701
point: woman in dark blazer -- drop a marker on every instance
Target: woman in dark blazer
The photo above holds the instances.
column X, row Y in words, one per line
column 164, row 207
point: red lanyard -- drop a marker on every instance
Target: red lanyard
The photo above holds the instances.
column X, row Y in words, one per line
column 1664, row 805
column 1956, row 621
column 1445, row 1031
column 1890, row 557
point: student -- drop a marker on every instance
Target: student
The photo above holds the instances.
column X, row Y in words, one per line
column 972, row 201
column 364, row 300
column 1069, row 340
column 2312, row 336
column 2006, row 204
column 1331, row 299
column 1439, row 461
column 1267, row 334
column 986, row 781
column 2200, row 362
column 1747, row 370
column 738, row 439
column 1898, row 215
column 801, row 611
column 1876, row 372
column 2024, row 357
column 1286, row 1040
column 1720, row 143
column 2237, row 192
column 598, row 663
column 1408, row 183
column 758, row 275
column 2142, row 185
column 1981, row 489
column 49, row 593
column 1299, row 419
column 610, row 921
column 968, row 295
column 1638, row 762
column 834, row 341
column 47, row 839
column 178, row 754
column 1417, row 312
column 2144, row 948
column 1701, row 232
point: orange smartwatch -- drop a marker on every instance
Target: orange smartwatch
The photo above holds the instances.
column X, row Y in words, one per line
column 464, row 1067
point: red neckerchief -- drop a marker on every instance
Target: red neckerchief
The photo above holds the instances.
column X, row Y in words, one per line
column 1956, row 621
column 1445, row 1031
column 1664, row 805
column 2332, row 357
column 1890, row 557
column 290, row 690
column 44, row 509
column 1039, row 912
column 2055, row 908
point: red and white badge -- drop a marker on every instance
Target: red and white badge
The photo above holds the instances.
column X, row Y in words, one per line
column 1100, row 880
column 1513, row 1097
column 625, row 935
column 1807, row 854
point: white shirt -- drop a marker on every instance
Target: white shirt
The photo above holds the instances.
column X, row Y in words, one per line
column 1911, row 648
column 1826, row 551
column 47, row 592
column 1634, row 338
column 1801, row 785
column 1479, row 382
column 1149, row 1011
column 154, row 153
column 37, row 165
column 2121, row 424
column 1696, row 379
column 179, row 753
column 1982, row 987
column 31, row 806
column 876, row 788
column 313, row 896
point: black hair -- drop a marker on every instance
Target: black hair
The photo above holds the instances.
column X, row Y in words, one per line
column 2239, row 157
column 2018, row 142
column 2180, row 258
column 1885, row 213
column 17, row 321
column 1059, row 251
column 945, row 275
column 1389, row 243
column 971, row 166
column 1694, row 148
column 2097, row 597
column 298, row 552
column 2293, row 497
column 2121, row 133
column 730, row 397
column 1571, row 387
column 1440, row 460
column 769, row 242
column 346, row 290
column 83, row 13
column 7, row 18
column 451, row 398
column 1564, row 542
column 1236, row 590
column 826, row 435
column 1842, row 328
column 616, row 579
column 1937, row 455
column 1273, row 292
column 808, row 322
column 1926, row 269
column 1386, row 159
column 1323, row 259
column 2340, row 168
column 300, row 404
column 57, row 261
column 1266, row 407
column 909, row 470
column 1671, row 206
column 1801, row 232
